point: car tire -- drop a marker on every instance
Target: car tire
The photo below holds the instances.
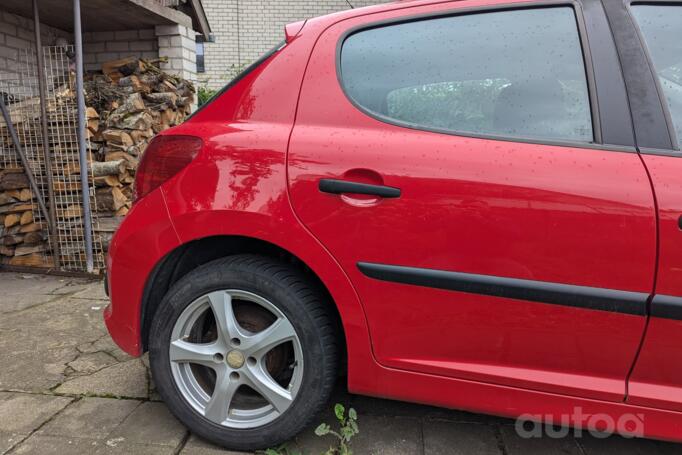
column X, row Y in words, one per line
column 280, row 289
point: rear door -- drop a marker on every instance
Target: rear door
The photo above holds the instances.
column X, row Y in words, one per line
column 495, row 219
column 656, row 380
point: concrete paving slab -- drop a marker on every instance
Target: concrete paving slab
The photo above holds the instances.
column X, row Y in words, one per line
column 104, row 344
column 23, row 413
column 127, row 379
column 57, row 445
column 16, row 303
column 197, row 446
column 545, row 445
column 22, row 291
column 9, row 440
column 441, row 437
column 90, row 418
column 93, row 291
column 49, row 445
column 30, row 284
column 385, row 436
column 617, row 445
column 37, row 343
column 150, row 423
column 91, row 363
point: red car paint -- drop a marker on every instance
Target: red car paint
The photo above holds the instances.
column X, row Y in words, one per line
column 606, row 219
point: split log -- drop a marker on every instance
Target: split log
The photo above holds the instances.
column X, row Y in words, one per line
column 108, row 224
column 117, row 137
column 116, row 69
column 31, row 227
column 12, row 239
column 13, row 181
column 12, row 219
column 25, row 250
column 7, row 198
column 15, row 208
column 32, row 260
column 138, row 121
column 23, row 195
column 107, row 180
column 26, row 218
column 132, row 162
column 33, row 238
column 108, row 168
column 72, row 211
column 110, row 199
column 91, row 113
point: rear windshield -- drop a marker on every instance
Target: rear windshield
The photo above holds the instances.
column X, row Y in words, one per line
column 241, row 76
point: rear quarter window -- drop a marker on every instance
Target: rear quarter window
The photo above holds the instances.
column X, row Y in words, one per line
column 517, row 73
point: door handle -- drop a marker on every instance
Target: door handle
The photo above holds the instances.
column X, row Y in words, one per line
column 335, row 186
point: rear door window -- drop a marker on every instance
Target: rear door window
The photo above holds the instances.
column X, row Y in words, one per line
column 661, row 27
column 516, row 73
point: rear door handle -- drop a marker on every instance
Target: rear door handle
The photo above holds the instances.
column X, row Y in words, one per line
column 334, row 186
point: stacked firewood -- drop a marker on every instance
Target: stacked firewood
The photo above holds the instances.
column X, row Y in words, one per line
column 128, row 103
column 22, row 240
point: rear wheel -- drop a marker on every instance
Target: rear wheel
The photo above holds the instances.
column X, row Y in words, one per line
column 233, row 346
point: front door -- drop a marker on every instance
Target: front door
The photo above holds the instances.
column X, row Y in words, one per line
column 456, row 172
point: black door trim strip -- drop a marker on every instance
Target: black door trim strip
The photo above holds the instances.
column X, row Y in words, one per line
column 667, row 307
column 513, row 288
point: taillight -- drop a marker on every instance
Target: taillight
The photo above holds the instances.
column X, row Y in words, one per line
column 164, row 157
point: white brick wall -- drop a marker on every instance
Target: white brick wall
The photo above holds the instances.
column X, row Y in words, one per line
column 245, row 29
column 100, row 47
column 177, row 43
column 16, row 37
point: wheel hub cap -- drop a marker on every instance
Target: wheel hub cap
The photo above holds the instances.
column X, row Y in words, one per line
column 235, row 359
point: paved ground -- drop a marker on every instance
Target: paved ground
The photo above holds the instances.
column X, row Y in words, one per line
column 65, row 388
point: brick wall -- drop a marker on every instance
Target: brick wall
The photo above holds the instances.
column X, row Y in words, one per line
column 16, row 38
column 177, row 44
column 245, row 29
column 100, row 47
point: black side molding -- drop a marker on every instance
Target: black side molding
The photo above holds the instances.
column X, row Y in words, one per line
column 667, row 307
column 512, row 288
column 334, row 186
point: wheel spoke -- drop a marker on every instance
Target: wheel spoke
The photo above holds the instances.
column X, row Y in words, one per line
column 201, row 354
column 218, row 406
column 221, row 304
column 260, row 381
column 262, row 342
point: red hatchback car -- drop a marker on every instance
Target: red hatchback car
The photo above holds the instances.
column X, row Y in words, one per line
column 473, row 204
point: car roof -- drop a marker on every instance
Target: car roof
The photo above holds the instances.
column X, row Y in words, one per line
column 381, row 7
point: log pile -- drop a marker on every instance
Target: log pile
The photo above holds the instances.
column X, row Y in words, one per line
column 22, row 240
column 128, row 102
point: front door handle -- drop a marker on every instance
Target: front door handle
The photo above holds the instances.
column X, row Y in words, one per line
column 335, row 186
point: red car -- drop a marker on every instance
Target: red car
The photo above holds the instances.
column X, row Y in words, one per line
column 473, row 204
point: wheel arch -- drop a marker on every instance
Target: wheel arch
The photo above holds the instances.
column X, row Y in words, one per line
column 188, row 256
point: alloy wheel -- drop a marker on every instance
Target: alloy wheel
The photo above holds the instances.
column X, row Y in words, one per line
column 236, row 358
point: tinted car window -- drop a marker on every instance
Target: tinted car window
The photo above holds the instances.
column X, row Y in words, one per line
column 661, row 27
column 510, row 73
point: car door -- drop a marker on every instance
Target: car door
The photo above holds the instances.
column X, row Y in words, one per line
column 656, row 380
column 495, row 220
